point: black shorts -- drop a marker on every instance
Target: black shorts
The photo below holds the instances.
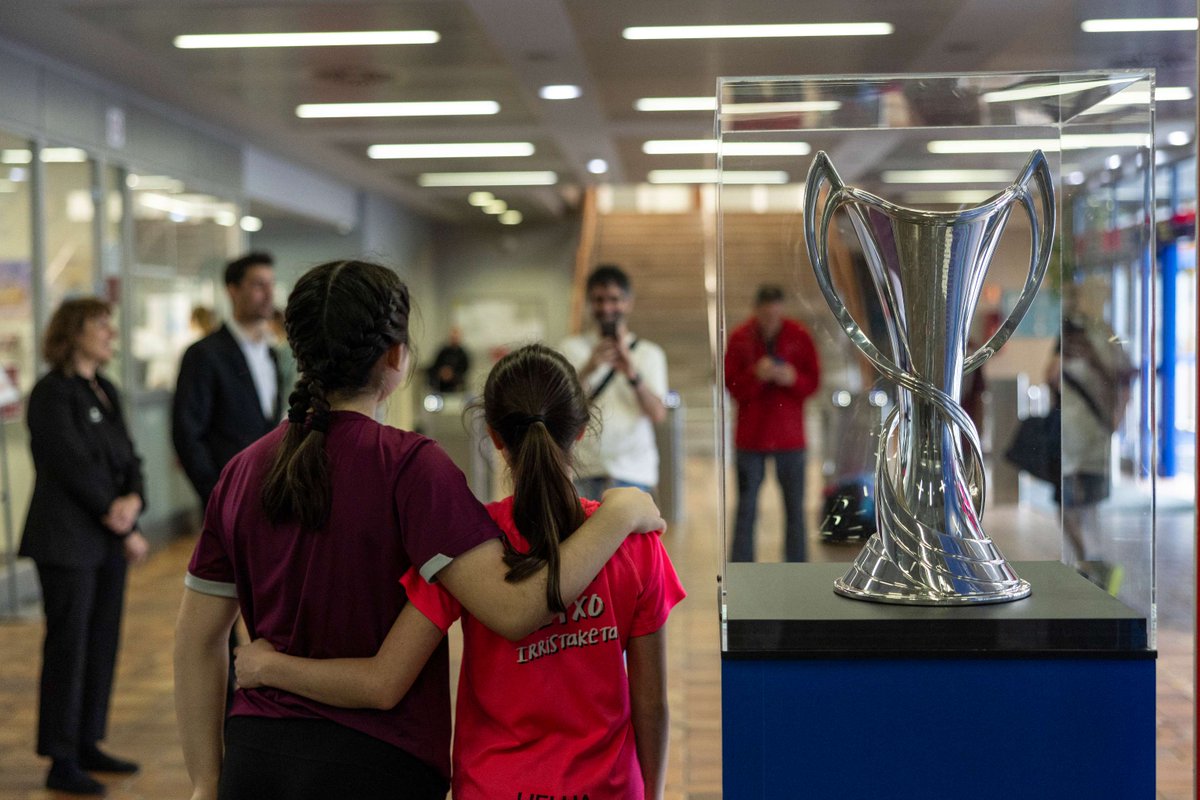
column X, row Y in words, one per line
column 310, row 759
column 1081, row 490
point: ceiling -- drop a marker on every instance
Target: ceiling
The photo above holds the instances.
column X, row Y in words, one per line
column 504, row 50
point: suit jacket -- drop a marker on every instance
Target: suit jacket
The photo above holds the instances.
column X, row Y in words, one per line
column 216, row 412
column 84, row 460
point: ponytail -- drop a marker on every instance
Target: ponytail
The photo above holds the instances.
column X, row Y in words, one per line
column 297, row 485
column 534, row 401
column 545, row 509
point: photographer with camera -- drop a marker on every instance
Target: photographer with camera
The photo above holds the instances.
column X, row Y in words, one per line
column 626, row 379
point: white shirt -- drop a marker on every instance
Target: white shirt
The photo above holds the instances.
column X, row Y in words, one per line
column 262, row 367
column 625, row 448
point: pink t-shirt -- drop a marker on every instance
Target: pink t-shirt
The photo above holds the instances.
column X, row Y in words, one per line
column 550, row 715
column 398, row 502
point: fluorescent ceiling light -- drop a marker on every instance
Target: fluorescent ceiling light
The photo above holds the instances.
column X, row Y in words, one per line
column 450, row 108
column 702, row 146
column 597, row 166
column 1178, row 138
column 511, row 217
column 1045, row 90
column 205, row 41
column 495, row 207
column 251, row 224
column 788, row 107
column 946, row 146
column 711, row 176
column 954, row 196
column 947, row 176
column 758, row 31
column 440, row 179
column 1162, row 94
column 675, row 104
column 480, row 199
column 50, row 155
column 561, row 91
column 1070, row 141
column 452, row 150
column 1138, row 24
column 1169, row 93
column 226, row 219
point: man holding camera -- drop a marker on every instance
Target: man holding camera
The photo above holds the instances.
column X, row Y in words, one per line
column 771, row 368
column 626, row 379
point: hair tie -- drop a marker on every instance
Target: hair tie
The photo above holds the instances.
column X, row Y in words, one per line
column 320, row 422
column 524, row 420
column 297, row 416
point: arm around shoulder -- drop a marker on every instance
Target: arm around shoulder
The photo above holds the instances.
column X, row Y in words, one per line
column 515, row 610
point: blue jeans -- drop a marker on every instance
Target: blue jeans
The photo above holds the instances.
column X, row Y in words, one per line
column 789, row 470
column 592, row 488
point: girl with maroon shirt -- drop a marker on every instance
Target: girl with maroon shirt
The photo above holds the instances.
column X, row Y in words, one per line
column 307, row 533
column 526, row 726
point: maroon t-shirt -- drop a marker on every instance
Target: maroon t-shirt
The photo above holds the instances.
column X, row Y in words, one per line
column 397, row 501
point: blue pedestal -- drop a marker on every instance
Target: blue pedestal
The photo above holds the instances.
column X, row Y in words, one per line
column 1040, row 712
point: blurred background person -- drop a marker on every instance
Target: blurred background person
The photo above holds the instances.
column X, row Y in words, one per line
column 1089, row 375
column 771, row 368
column 81, row 532
column 448, row 372
column 202, row 322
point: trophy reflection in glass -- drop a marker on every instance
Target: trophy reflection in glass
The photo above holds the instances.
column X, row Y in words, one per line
column 928, row 269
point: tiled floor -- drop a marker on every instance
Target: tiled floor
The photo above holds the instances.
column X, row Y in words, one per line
column 143, row 720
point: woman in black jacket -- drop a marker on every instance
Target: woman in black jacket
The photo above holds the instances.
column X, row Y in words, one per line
column 81, row 532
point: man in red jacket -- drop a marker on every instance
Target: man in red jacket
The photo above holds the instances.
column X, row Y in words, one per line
column 771, row 367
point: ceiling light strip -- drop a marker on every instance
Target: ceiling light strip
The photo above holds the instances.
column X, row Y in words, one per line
column 1139, row 25
column 758, row 31
column 443, row 179
column 712, row 176
column 209, row 41
column 1069, row 141
column 675, row 104
column 452, row 150
column 453, row 108
column 655, row 147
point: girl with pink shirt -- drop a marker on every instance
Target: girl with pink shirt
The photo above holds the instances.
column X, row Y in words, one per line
column 578, row 708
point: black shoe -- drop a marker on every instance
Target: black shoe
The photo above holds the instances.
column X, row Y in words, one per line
column 94, row 759
column 69, row 777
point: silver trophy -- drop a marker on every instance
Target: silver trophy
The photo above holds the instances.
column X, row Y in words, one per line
column 928, row 269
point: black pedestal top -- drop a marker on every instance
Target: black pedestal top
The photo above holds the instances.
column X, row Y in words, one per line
column 791, row 611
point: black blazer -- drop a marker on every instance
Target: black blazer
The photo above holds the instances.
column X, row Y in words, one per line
column 216, row 412
column 84, row 460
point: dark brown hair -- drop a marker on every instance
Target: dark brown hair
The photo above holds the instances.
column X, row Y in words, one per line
column 340, row 320
column 533, row 400
column 58, row 345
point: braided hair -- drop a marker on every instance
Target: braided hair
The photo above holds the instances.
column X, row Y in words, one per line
column 341, row 319
column 533, row 400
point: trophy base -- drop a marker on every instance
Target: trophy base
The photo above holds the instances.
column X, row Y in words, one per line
column 876, row 578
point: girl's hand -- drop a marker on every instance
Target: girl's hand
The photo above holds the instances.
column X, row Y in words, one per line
column 642, row 514
column 250, row 661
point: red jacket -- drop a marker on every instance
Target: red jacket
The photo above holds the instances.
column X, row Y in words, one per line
column 770, row 417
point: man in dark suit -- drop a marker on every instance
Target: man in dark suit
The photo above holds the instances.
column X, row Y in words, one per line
column 229, row 391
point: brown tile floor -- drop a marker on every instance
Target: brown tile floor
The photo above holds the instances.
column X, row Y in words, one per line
column 143, row 720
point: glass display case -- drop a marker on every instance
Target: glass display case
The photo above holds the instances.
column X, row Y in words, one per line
column 1085, row 342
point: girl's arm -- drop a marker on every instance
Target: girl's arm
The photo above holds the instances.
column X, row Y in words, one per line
column 376, row 682
column 515, row 610
column 201, row 667
column 646, row 660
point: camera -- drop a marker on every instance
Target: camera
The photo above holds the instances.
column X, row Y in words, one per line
column 608, row 328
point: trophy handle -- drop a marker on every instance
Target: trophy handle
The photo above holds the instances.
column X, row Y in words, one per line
column 816, row 236
column 1040, row 246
